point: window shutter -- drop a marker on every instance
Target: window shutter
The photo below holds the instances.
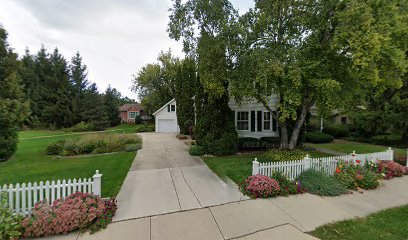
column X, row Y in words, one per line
column 252, row 121
column 168, row 108
column 274, row 125
column 259, row 121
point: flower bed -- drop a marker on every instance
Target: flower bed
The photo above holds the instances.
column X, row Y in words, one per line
column 79, row 211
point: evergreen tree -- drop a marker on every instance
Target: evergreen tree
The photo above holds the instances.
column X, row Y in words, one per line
column 43, row 70
column 13, row 109
column 80, row 84
column 31, row 85
column 111, row 102
column 95, row 113
column 185, row 90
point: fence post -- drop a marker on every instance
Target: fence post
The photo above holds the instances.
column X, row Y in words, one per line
column 390, row 152
column 353, row 156
column 255, row 167
column 306, row 162
column 97, row 183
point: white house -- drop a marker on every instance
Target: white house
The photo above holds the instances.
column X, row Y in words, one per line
column 166, row 118
column 251, row 119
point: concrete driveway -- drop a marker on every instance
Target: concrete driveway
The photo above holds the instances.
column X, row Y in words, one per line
column 164, row 178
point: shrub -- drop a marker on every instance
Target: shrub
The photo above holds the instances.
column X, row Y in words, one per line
column 145, row 128
column 355, row 176
column 250, row 143
column 138, row 119
column 285, row 155
column 260, row 186
column 337, row 131
column 10, row 227
column 285, row 184
column 77, row 211
column 391, row 169
column 187, row 125
column 226, row 145
column 191, row 132
column 320, row 183
column 82, row 127
column 387, row 140
column 318, row 137
column 100, row 143
column 271, row 140
column 102, row 221
column 55, row 148
column 8, row 143
column 196, row 150
column 133, row 147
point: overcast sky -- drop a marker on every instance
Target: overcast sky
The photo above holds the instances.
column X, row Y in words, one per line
column 115, row 38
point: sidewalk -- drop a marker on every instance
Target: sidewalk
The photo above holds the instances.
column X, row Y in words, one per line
column 277, row 218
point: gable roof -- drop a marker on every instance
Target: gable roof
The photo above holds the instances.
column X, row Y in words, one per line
column 127, row 106
column 172, row 100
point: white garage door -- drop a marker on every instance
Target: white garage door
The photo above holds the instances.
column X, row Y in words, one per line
column 167, row 125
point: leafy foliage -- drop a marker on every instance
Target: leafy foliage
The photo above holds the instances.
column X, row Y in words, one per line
column 320, row 183
column 13, row 108
column 77, row 211
column 260, row 186
column 196, row 151
column 10, row 227
column 318, row 137
column 337, row 131
column 354, row 175
column 102, row 221
column 55, row 148
column 285, row 155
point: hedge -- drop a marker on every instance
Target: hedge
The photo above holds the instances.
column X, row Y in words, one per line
column 318, row 137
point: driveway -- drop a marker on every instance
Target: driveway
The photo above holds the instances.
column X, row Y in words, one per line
column 164, row 178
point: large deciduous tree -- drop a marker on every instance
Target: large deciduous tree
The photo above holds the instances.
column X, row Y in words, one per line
column 13, row 109
column 155, row 83
column 321, row 53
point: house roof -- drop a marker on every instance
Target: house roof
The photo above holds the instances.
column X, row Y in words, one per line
column 126, row 106
column 172, row 100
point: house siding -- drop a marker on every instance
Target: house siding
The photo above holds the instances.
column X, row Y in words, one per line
column 256, row 128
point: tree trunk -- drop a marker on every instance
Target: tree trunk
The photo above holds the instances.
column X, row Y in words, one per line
column 299, row 123
column 283, row 136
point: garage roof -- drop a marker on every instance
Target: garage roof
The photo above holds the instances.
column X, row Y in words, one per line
column 172, row 100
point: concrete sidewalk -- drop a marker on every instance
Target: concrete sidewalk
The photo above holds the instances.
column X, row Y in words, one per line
column 164, row 178
column 286, row 218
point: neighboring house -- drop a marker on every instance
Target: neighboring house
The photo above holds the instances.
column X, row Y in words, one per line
column 129, row 111
column 166, row 118
column 251, row 119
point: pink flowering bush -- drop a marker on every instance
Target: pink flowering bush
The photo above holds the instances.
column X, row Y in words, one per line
column 77, row 211
column 106, row 217
column 260, row 186
column 391, row 169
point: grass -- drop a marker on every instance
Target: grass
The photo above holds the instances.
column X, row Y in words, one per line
column 30, row 163
column 389, row 224
column 349, row 147
column 239, row 167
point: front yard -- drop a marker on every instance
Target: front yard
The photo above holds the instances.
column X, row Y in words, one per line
column 239, row 167
column 388, row 224
column 349, row 147
column 30, row 163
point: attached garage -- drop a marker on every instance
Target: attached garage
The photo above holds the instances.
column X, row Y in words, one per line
column 166, row 118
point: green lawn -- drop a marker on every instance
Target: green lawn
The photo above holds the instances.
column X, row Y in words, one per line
column 30, row 163
column 349, row 147
column 239, row 167
column 391, row 224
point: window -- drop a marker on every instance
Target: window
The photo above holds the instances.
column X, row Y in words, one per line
column 132, row 114
column 173, row 108
column 267, row 121
column 242, row 121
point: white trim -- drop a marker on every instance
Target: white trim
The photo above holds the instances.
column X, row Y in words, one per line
column 172, row 100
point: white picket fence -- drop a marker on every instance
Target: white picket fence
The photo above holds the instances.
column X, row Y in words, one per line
column 327, row 164
column 22, row 197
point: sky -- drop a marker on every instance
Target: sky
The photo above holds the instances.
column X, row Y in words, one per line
column 116, row 38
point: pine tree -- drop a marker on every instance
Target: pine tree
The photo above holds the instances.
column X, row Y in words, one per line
column 80, row 84
column 13, row 109
column 111, row 102
column 95, row 112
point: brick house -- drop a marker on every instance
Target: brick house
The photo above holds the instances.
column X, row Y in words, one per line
column 129, row 111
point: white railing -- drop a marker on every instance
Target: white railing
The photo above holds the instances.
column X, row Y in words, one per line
column 22, row 197
column 327, row 164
